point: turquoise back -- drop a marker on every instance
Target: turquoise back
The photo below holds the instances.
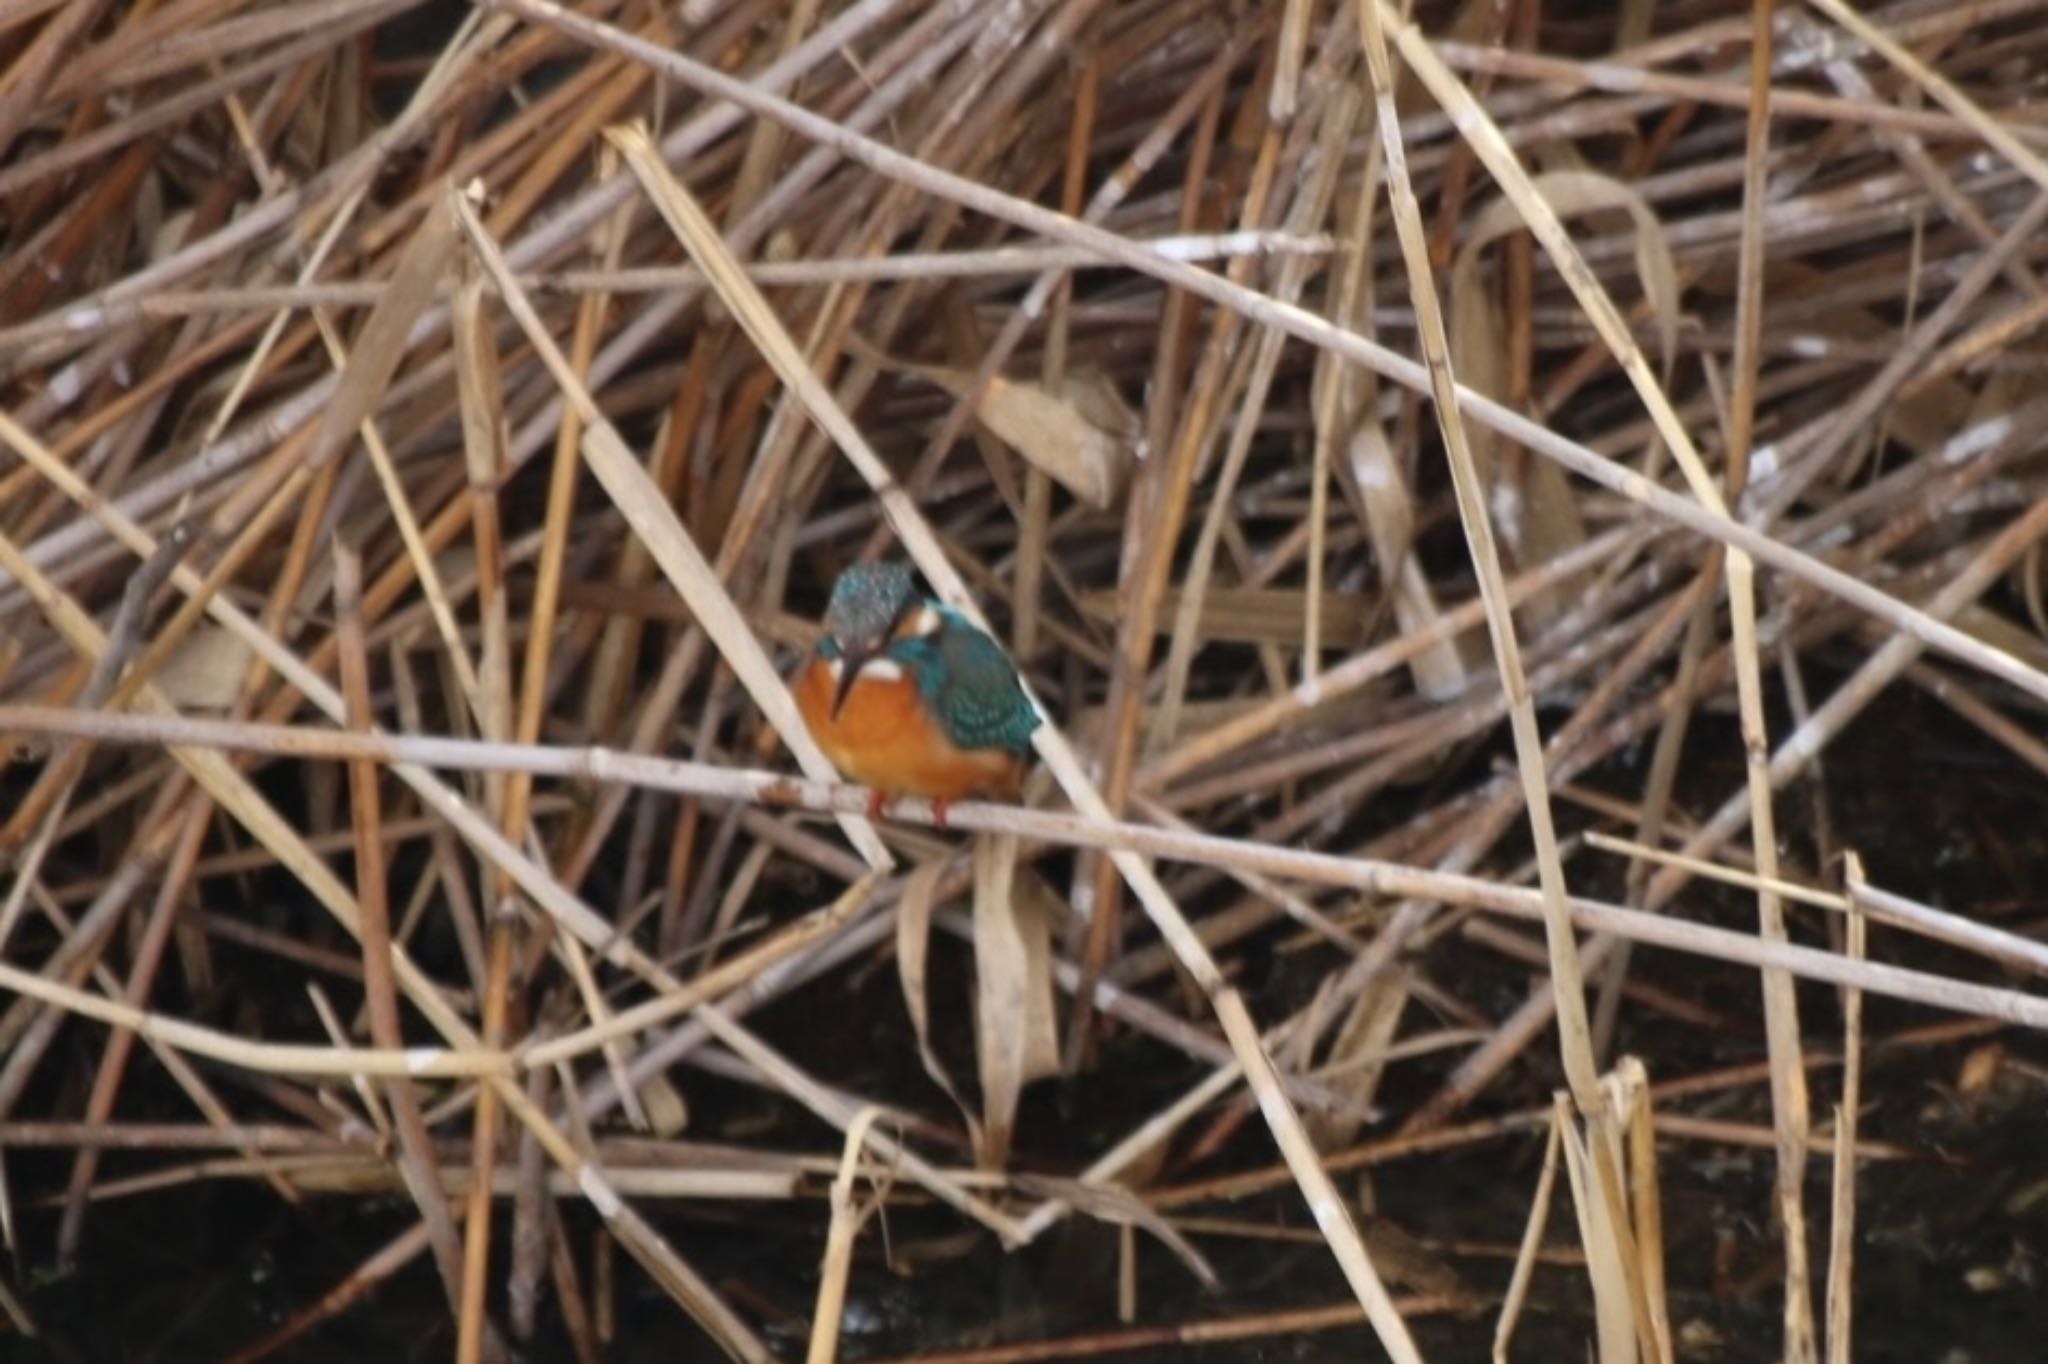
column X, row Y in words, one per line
column 970, row 684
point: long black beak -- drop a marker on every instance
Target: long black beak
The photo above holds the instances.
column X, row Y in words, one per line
column 850, row 664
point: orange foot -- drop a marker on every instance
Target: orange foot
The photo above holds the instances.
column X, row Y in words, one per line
column 939, row 813
column 876, row 800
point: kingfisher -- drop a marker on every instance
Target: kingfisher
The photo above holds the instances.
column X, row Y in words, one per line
column 908, row 696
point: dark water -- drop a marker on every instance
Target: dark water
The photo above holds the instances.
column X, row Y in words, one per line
column 1949, row 1256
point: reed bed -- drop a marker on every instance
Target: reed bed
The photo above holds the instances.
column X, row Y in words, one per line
column 1455, row 482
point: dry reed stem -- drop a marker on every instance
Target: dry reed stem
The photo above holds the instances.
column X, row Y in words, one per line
column 233, row 793
column 966, row 264
column 422, row 1171
column 1703, row 519
column 1532, row 1240
column 478, row 388
column 694, row 577
column 1310, row 207
column 1386, row 879
column 1574, row 1040
column 2009, row 948
column 1993, row 131
column 1848, row 1113
column 1294, row 1324
column 647, row 513
column 1611, row 1254
column 380, row 1265
column 1891, row 462
column 847, row 1219
column 754, row 314
column 909, row 524
column 1780, row 1006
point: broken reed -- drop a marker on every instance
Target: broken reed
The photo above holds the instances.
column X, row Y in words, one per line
column 291, row 322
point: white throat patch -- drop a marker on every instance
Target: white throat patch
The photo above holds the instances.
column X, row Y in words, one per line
column 874, row 669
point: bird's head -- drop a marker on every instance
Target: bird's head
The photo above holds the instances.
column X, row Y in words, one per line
column 868, row 602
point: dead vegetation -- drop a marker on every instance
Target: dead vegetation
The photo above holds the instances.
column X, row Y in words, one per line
column 430, row 430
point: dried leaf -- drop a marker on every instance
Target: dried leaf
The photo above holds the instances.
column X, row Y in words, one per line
column 1118, row 1204
column 1357, row 1058
column 2002, row 394
column 913, row 941
column 1479, row 356
column 170, row 234
column 205, row 670
column 2028, row 572
column 1536, row 511
column 1061, row 433
column 1979, row 1068
column 1082, row 435
column 1928, row 418
column 1925, row 415
column 381, row 344
column 1407, row 1262
column 1381, row 487
column 1553, row 524
column 1014, row 1028
column 1045, row 914
column 667, row 1113
column 1571, row 192
column 1478, row 331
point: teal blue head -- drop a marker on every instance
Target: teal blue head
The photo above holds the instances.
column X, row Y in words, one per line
column 868, row 602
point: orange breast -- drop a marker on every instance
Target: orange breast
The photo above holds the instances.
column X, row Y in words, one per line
column 885, row 737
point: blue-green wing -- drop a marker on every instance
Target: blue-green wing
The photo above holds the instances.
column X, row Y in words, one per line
column 971, row 685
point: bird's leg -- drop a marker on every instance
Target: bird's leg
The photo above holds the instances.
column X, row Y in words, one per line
column 876, row 800
column 939, row 813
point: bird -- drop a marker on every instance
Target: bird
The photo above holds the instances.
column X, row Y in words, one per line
column 909, row 697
